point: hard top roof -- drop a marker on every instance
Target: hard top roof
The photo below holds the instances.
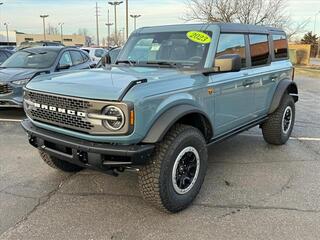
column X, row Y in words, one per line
column 224, row 27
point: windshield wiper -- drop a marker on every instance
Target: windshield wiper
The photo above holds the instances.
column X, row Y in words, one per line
column 164, row 63
column 131, row 62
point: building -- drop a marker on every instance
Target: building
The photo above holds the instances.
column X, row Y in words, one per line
column 16, row 38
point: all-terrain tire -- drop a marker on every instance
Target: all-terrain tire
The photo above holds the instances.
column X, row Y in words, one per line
column 273, row 129
column 59, row 164
column 156, row 178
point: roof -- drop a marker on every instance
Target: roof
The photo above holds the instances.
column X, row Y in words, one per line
column 47, row 48
column 224, row 27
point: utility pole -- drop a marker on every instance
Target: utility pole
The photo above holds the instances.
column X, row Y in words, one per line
column 1, row 3
column 135, row 20
column 115, row 4
column 127, row 19
column 44, row 16
column 61, row 31
column 108, row 24
column 97, row 24
column 7, row 29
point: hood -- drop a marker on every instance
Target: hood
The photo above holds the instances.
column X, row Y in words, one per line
column 12, row 74
column 100, row 84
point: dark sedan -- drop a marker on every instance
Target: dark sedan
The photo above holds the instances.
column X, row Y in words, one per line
column 26, row 64
column 4, row 55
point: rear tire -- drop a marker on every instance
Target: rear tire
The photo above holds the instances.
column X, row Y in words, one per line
column 59, row 164
column 174, row 176
column 278, row 128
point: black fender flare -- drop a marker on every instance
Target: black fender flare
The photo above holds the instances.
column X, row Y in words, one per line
column 283, row 87
column 166, row 120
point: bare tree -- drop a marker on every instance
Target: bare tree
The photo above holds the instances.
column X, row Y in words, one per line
column 257, row 12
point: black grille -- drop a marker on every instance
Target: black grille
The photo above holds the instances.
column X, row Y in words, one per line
column 5, row 89
column 54, row 117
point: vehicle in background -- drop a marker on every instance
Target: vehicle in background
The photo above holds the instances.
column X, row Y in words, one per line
column 11, row 48
column 25, row 45
column 26, row 64
column 4, row 55
column 113, row 54
column 95, row 53
column 173, row 92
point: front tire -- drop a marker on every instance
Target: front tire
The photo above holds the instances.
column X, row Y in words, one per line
column 174, row 175
column 278, row 128
column 59, row 164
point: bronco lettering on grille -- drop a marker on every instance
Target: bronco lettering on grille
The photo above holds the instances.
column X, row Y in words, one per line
column 59, row 110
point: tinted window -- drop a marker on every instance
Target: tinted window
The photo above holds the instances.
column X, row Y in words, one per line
column 85, row 57
column 99, row 53
column 65, row 59
column 280, row 46
column 259, row 48
column 76, row 57
column 232, row 44
column 3, row 57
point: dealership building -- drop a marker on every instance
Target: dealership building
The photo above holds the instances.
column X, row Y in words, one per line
column 16, row 38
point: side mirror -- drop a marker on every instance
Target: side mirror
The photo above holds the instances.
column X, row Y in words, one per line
column 106, row 60
column 228, row 63
column 64, row 67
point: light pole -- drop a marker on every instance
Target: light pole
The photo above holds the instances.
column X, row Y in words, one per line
column 109, row 24
column 7, row 30
column 44, row 16
column 115, row 4
column 135, row 20
column 61, row 31
column 127, row 19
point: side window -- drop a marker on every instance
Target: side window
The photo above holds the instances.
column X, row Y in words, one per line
column 280, row 46
column 76, row 57
column 259, row 49
column 3, row 57
column 85, row 57
column 99, row 53
column 65, row 59
column 232, row 44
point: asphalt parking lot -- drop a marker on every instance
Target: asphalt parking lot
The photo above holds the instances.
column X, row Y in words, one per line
column 252, row 190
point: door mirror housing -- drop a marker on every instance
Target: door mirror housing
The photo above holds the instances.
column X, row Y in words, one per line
column 228, row 63
column 106, row 60
column 64, row 67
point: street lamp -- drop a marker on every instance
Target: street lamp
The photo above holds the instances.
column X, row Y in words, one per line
column 115, row 4
column 61, row 31
column 44, row 16
column 7, row 30
column 109, row 24
column 135, row 20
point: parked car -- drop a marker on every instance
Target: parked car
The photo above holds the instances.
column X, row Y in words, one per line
column 4, row 55
column 26, row 64
column 95, row 53
column 10, row 48
column 173, row 92
column 25, row 45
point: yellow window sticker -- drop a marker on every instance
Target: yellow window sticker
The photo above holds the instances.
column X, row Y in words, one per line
column 199, row 37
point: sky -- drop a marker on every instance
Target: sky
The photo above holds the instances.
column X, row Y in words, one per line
column 23, row 15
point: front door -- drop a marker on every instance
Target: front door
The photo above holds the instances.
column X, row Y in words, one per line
column 234, row 91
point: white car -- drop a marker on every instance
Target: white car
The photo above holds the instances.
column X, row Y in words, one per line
column 95, row 53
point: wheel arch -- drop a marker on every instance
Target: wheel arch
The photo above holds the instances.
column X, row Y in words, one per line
column 284, row 87
column 184, row 114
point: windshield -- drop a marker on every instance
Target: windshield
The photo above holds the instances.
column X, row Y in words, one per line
column 31, row 59
column 171, row 49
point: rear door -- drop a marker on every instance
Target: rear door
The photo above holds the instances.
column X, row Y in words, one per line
column 234, row 93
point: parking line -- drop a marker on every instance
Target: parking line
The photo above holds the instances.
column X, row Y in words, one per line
column 292, row 138
column 9, row 120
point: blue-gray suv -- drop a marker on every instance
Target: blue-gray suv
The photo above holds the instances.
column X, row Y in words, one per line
column 174, row 91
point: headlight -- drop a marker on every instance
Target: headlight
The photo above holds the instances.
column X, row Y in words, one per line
column 21, row 81
column 116, row 118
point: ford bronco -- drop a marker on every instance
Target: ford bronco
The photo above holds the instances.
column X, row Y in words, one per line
column 173, row 92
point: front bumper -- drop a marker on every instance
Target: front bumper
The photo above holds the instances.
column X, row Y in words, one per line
column 13, row 98
column 97, row 156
